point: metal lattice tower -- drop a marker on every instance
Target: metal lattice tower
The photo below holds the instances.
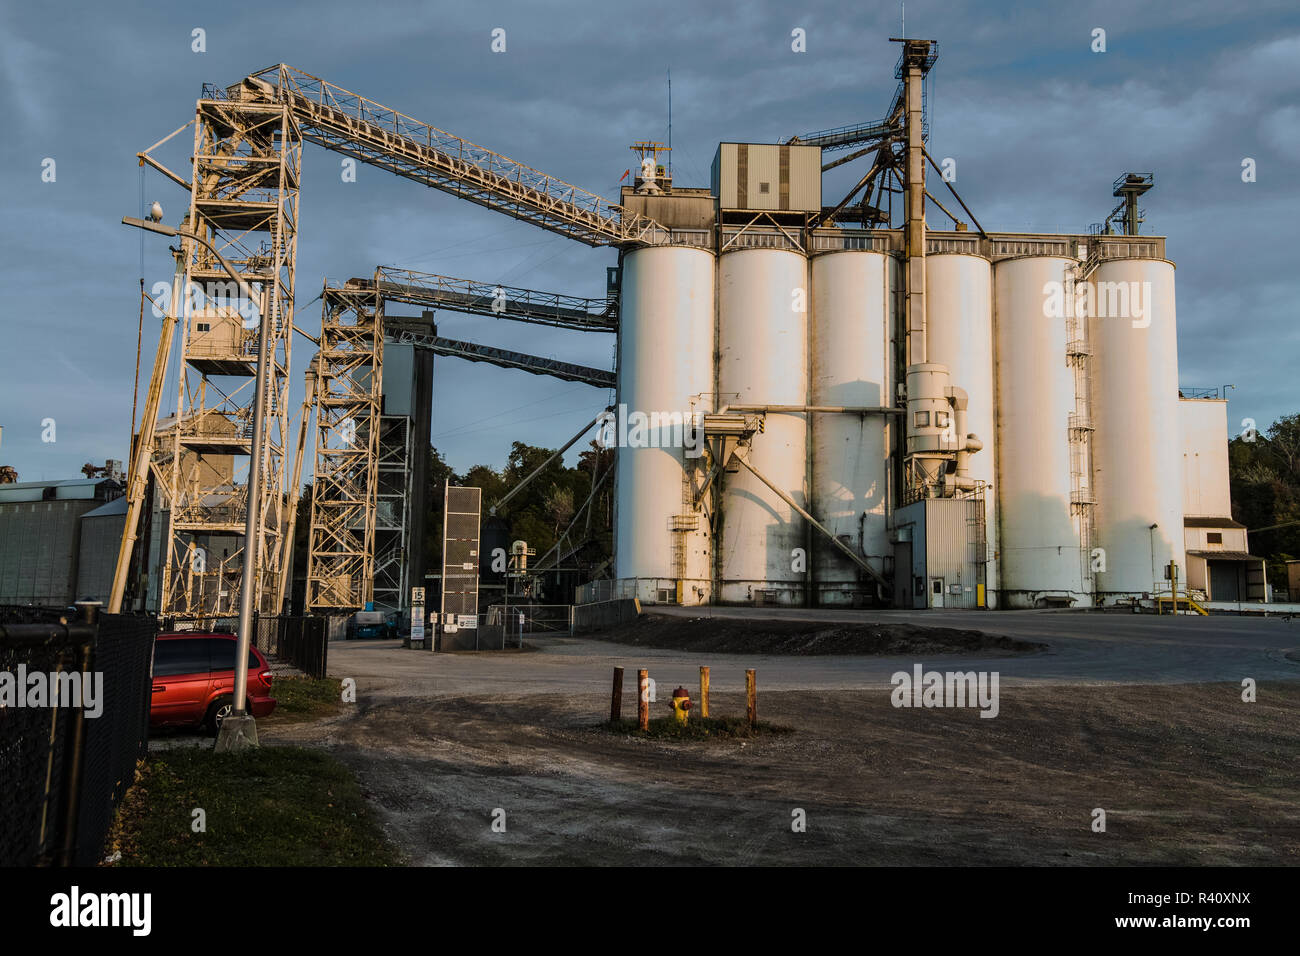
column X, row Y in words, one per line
column 349, row 386
column 246, row 166
column 244, row 186
column 391, row 578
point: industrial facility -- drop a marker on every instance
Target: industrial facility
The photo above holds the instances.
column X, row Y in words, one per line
column 820, row 400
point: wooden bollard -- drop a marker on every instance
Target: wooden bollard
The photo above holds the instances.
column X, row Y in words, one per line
column 751, row 697
column 616, row 697
column 643, row 699
column 704, row 692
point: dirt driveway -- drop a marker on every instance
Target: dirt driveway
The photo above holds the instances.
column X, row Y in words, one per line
column 1187, row 774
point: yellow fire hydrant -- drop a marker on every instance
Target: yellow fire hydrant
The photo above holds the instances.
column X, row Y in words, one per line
column 681, row 704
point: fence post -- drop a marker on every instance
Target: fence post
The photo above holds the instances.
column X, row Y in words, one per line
column 751, row 697
column 704, row 691
column 616, row 697
column 643, row 699
column 68, row 851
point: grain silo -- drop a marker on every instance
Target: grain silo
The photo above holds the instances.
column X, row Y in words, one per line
column 763, row 362
column 852, row 366
column 1137, row 445
column 960, row 336
column 1039, row 538
column 665, row 367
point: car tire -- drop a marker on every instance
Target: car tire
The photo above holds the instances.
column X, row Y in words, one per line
column 218, row 711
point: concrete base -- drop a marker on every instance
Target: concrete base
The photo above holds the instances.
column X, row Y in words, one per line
column 237, row 733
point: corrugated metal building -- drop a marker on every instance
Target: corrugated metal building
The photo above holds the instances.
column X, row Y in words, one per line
column 40, row 537
column 939, row 554
column 101, row 534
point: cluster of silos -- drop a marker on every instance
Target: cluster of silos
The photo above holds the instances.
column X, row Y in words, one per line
column 787, row 334
column 771, row 328
column 1125, row 487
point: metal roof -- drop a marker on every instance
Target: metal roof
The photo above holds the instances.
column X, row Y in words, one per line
column 1226, row 555
column 115, row 507
column 71, row 488
column 1211, row 523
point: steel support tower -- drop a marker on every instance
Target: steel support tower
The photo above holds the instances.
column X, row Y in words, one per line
column 246, row 166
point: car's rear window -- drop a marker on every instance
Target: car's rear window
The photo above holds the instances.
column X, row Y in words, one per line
column 183, row 656
column 223, row 655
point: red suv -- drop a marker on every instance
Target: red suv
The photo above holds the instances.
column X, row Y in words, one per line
column 194, row 680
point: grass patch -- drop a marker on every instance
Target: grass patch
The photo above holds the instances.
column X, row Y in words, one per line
column 275, row 806
column 300, row 699
column 697, row 728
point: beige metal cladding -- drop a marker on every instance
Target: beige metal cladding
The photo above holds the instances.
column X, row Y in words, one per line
column 959, row 306
column 769, row 177
column 1039, row 537
column 763, row 360
column 665, row 368
column 1204, row 423
column 852, row 324
column 1138, row 445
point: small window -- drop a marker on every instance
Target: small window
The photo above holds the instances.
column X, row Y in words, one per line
column 202, row 327
column 921, row 420
column 1214, row 537
column 764, row 188
column 938, row 587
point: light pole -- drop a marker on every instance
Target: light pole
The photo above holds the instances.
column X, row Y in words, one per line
column 239, row 730
column 1151, row 534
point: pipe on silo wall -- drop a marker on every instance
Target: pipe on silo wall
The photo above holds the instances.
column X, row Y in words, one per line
column 1137, row 444
column 762, row 545
column 852, row 365
column 959, row 307
column 665, row 366
column 1039, row 542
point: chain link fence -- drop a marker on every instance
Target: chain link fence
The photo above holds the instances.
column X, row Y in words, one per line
column 74, row 721
column 302, row 642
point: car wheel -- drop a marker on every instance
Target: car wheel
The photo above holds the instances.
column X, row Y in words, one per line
column 221, row 708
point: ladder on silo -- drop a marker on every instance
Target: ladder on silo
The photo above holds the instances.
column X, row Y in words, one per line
column 1078, row 355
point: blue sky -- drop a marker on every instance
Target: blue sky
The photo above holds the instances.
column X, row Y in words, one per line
column 1038, row 123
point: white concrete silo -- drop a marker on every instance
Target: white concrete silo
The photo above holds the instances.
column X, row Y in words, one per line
column 665, row 362
column 852, row 324
column 1137, row 450
column 763, row 360
column 1039, row 541
column 959, row 306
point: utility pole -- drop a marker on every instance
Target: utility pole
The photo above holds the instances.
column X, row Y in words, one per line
column 238, row 731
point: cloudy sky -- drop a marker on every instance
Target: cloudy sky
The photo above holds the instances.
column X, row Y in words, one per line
column 1040, row 126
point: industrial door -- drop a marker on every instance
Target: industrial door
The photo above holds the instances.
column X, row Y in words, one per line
column 936, row 592
column 1225, row 581
column 903, row 574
